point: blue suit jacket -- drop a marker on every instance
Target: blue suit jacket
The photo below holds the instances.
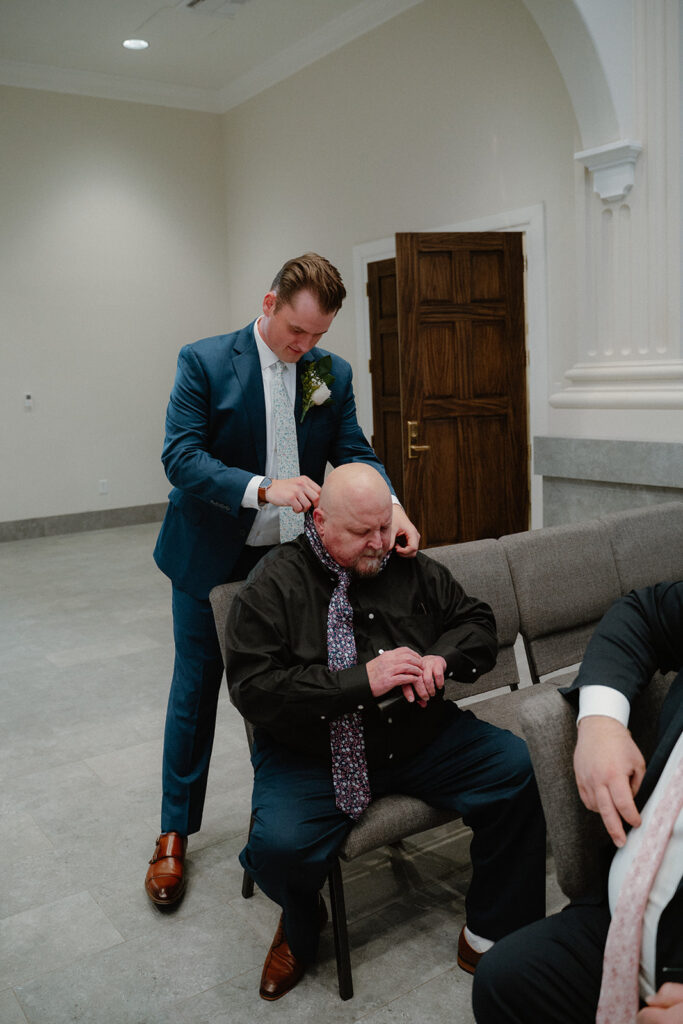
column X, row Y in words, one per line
column 216, row 441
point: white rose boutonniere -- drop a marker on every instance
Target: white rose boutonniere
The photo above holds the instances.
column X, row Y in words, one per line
column 315, row 381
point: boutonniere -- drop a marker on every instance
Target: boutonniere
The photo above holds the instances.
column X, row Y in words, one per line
column 315, row 381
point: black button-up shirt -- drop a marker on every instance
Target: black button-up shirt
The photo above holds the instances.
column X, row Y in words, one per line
column 276, row 641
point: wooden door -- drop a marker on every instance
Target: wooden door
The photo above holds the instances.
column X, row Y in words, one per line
column 462, row 382
column 385, row 370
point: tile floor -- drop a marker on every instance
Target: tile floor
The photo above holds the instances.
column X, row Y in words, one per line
column 85, row 662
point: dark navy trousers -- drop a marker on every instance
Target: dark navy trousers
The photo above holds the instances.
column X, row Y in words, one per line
column 480, row 771
column 192, row 702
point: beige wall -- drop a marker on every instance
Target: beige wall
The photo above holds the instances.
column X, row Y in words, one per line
column 447, row 113
column 112, row 256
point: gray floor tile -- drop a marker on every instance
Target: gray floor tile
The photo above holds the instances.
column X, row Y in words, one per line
column 38, row 940
column 10, row 1010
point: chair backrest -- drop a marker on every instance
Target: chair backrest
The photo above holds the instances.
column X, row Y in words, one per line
column 647, row 544
column 565, row 579
column 221, row 598
column 480, row 566
column 578, row 838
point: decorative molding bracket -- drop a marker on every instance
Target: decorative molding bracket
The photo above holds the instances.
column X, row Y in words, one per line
column 644, row 385
column 612, row 167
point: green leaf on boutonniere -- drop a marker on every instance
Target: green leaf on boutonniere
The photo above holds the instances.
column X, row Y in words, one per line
column 316, row 381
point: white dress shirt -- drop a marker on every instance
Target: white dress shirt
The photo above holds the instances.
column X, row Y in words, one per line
column 266, row 526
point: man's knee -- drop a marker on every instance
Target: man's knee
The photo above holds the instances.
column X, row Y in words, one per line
column 494, row 989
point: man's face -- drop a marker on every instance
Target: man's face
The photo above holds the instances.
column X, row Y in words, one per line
column 358, row 535
column 296, row 326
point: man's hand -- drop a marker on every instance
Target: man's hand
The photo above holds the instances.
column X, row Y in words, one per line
column 299, row 492
column 419, row 677
column 664, row 1007
column 609, row 768
column 401, row 526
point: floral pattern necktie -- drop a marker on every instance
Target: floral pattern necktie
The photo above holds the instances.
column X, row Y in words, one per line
column 618, row 1003
column 347, row 744
column 291, row 523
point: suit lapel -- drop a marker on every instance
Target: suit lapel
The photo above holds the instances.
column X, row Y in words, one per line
column 247, row 368
column 302, row 429
column 672, row 715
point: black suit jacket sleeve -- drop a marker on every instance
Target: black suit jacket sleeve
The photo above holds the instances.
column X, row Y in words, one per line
column 642, row 632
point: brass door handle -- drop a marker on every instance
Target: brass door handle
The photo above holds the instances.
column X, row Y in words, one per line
column 414, row 448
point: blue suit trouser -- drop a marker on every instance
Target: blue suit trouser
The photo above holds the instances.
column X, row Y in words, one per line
column 192, row 703
column 472, row 767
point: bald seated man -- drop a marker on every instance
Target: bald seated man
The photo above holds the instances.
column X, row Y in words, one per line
column 338, row 655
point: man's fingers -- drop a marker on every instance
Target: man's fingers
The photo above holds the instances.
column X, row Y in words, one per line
column 610, row 816
column 622, row 798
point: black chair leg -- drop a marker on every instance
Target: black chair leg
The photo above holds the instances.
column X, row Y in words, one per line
column 341, row 935
column 247, row 880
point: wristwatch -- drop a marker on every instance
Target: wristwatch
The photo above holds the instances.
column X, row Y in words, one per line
column 263, row 487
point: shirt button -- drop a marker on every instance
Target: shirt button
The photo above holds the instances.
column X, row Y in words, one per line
column 371, row 615
column 360, row 707
column 322, row 718
column 390, row 720
column 450, row 675
column 474, row 671
column 381, row 650
column 390, row 756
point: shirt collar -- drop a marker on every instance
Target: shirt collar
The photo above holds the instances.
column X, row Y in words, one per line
column 267, row 357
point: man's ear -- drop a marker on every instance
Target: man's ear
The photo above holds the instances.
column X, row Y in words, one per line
column 269, row 301
column 319, row 520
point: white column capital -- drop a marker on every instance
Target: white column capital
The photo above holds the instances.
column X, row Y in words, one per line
column 612, row 167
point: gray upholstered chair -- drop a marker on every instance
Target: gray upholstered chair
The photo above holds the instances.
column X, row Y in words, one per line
column 565, row 579
column 482, row 569
column 647, row 544
column 576, row 835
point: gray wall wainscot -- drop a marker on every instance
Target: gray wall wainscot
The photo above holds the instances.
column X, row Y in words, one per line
column 78, row 522
column 586, row 477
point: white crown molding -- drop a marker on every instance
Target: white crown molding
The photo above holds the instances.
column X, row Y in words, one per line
column 365, row 16
column 347, row 27
column 108, row 87
column 612, row 166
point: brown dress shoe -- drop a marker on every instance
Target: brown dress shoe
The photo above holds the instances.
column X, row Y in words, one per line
column 282, row 971
column 468, row 958
column 164, row 881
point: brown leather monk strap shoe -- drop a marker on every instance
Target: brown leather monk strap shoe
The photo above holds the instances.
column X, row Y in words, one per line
column 282, row 971
column 468, row 958
column 164, row 881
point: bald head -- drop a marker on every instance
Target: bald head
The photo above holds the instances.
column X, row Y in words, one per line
column 353, row 517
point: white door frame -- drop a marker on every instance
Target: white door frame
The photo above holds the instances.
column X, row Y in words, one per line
column 531, row 221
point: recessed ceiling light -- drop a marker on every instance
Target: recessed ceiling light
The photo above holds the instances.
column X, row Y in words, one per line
column 135, row 44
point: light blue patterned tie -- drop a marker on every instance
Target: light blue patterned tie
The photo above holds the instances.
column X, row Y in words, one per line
column 291, row 523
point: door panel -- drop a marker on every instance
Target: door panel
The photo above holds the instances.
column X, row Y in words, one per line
column 463, row 381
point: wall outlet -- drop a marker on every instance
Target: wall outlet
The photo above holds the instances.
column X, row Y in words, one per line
column 28, row 400
column 104, row 487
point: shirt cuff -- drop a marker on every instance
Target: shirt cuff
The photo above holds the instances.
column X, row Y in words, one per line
column 395, row 501
column 603, row 700
column 250, row 496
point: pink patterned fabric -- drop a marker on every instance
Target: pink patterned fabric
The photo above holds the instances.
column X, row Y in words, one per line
column 347, row 744
column 618, row 1003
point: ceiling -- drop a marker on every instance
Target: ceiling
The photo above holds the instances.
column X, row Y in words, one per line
column 211, row 56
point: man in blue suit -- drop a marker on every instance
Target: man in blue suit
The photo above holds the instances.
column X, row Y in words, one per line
column 220, row 455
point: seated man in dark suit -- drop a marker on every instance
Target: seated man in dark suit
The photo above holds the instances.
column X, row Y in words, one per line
column 328, row 630
column 574, row 965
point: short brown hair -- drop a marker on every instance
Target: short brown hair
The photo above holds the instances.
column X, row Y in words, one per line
column 312, row 273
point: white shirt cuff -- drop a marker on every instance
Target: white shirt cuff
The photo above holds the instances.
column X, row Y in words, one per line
column 250, row 496
column 603, row 700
